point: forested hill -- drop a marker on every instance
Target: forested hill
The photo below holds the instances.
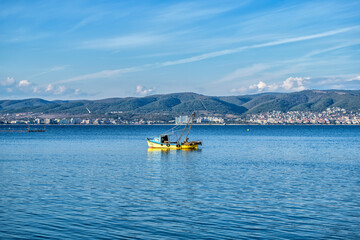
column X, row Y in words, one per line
column 185, row 103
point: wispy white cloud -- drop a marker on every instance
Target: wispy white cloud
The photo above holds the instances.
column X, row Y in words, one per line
column 261, row 45
column 110, row 73
column 299, row 15
column 58, row 68
column 351, row 82
column 85, row 21
column 278, row 69
column 259, row 72
column 321, row 51
column 26, row 37
column 101, row 74
column 191, row 11
column 148, row 39
column 53, row 69
column 240, row 73
column 123, row 41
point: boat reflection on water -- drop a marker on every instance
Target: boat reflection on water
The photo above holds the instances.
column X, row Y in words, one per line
column 154, row 154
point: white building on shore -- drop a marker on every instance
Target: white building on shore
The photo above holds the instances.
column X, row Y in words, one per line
column 182, row 120
column 217, row 120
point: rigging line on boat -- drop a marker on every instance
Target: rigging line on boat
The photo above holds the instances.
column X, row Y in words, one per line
column 190, row 121
column 188, row 131
column 172, row 130
column 193, row 117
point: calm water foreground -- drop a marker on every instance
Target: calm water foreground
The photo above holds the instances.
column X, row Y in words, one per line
column 271, row 182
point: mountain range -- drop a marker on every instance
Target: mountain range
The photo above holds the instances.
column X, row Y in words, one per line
column 185, row 103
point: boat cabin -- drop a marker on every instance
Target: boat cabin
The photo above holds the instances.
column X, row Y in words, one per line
column 161, row 139
column 164, row 138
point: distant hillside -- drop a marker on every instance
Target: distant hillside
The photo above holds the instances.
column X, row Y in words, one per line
column 185, row 103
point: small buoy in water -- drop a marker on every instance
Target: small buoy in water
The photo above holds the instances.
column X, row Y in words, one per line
column 247, row 129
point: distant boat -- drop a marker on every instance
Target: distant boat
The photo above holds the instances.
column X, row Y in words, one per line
column 164, row 140
column 36, row 130
column 23, row 130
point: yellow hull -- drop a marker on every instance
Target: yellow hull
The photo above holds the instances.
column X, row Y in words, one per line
column 171, row 146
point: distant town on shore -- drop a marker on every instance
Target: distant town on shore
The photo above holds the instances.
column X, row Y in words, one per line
column 306, row 107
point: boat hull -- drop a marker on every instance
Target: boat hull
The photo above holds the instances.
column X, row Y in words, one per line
column 172, row 145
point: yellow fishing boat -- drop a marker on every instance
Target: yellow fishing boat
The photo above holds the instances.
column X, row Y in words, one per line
column 164, row 140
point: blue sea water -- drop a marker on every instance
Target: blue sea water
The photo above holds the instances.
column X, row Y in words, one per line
column 101, row 182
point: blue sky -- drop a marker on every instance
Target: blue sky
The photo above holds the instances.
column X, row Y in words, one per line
column 100, row 49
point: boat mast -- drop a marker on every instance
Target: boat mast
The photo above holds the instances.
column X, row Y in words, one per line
column 189, row 122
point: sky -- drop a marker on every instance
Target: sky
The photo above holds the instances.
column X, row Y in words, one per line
column 100, row 49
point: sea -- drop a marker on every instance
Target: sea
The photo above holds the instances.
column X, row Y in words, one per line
column 244, row 182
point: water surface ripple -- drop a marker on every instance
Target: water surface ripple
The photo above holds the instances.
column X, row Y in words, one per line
column 271, row 182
